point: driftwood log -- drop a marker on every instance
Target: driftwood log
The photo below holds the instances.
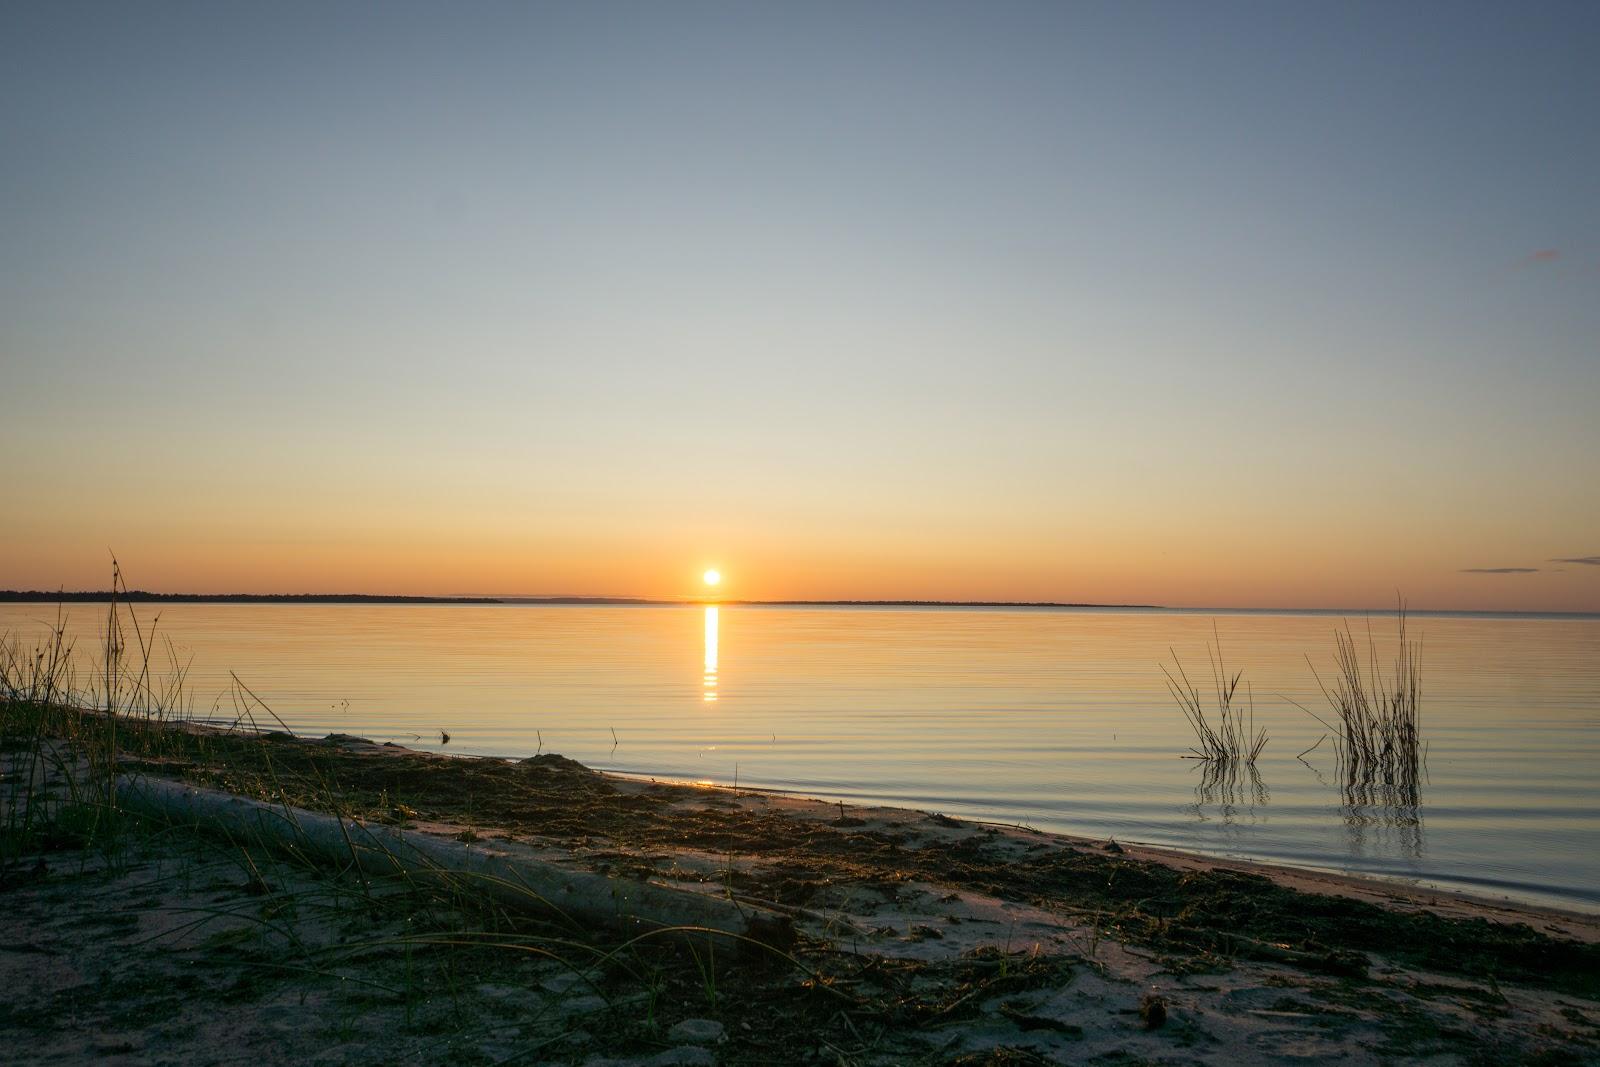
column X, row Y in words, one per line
column 504, row 870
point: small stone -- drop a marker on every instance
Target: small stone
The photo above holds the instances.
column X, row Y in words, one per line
column 582, row 1005
column 563, row 983
column 1153, row 1010
column 696, row 1032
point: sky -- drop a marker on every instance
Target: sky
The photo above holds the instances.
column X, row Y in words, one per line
column 1205, row 305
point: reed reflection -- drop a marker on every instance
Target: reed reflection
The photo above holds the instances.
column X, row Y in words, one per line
column 1381, row 807
column 1382, row 811
column 709, row 688
column 1230, row 788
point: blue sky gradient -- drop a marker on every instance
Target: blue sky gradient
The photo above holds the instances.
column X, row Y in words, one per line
column 1249, row 303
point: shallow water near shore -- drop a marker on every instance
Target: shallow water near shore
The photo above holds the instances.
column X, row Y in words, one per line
column 1055, row 718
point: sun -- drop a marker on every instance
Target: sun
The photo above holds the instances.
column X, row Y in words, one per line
column 712, row 577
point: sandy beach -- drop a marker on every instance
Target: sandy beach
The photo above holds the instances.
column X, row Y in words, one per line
column 894, row 936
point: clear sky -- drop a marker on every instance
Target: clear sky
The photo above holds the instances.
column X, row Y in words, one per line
column 1225, row 304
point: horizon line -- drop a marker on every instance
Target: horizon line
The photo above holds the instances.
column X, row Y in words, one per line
column 144, row 596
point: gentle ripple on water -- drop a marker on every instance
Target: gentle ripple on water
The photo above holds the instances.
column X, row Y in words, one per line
column 1058, row 719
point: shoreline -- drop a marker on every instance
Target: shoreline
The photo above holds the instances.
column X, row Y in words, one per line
column 874, row 934
column 1307, row 878
column 1573, row 922
column 1360, row 885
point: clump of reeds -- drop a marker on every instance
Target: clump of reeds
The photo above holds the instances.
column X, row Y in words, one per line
column 1377, row 721
column 1229, row 734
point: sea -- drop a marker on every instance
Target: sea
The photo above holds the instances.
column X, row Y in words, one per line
column 1058, row 719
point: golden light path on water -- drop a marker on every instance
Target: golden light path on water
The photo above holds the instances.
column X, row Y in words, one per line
column 710, row 680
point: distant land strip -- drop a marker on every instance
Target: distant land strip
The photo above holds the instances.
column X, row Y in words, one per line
column 139, row 596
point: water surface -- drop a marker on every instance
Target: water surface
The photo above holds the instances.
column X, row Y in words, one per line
column 1054, row 718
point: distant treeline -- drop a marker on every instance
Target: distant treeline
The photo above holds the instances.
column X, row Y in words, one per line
column 600, row 600
column 139, row 596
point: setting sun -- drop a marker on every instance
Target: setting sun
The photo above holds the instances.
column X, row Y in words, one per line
column 712, row 577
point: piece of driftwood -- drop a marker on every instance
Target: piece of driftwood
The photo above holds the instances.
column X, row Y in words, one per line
column 508, row 872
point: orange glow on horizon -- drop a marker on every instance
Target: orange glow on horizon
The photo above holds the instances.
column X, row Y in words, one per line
column 1262, row 560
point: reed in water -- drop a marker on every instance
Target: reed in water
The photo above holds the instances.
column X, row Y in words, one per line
column 1229, row 734
column 1377, row 721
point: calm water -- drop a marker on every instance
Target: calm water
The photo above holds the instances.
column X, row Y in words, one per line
column 1058, row 719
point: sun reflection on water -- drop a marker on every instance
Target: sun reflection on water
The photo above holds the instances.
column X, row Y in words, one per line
column 710, row 687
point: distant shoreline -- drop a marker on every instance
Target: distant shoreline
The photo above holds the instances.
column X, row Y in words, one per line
column 136, row 596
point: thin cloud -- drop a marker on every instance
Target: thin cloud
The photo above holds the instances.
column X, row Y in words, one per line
column 1587, row 561
column 1500, row 570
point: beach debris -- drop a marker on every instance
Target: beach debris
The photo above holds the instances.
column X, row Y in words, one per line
column 1027, row 1019
column 1153, row 1011
column 508, row 871
column 845, row 820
